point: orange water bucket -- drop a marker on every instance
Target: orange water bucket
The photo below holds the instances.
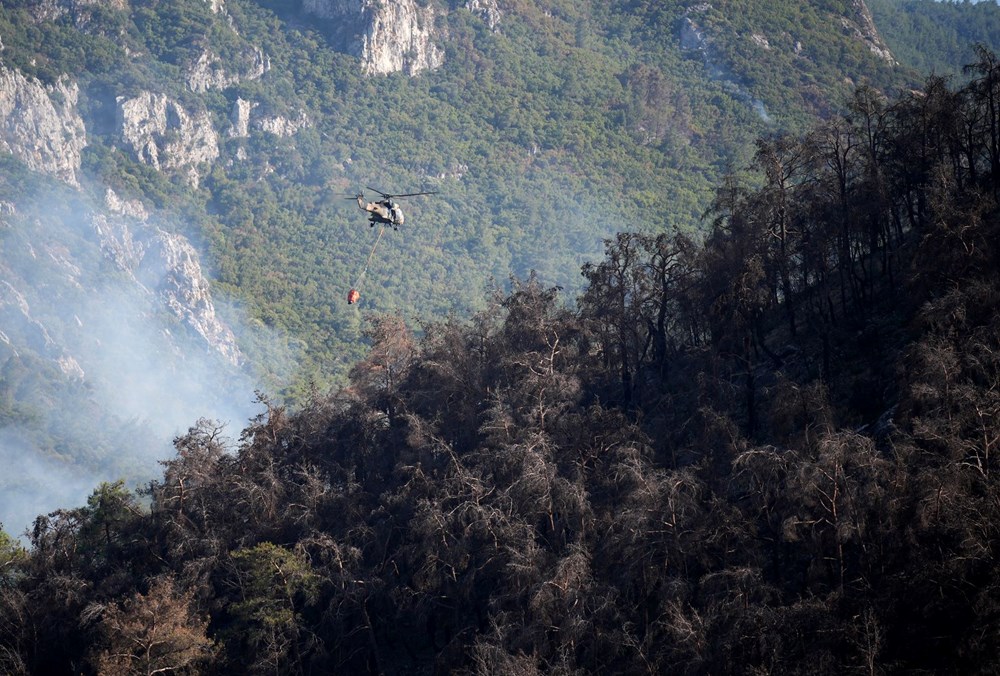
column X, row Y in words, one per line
column 353, row 296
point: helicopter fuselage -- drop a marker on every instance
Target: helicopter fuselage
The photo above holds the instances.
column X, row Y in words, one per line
column 384, row 211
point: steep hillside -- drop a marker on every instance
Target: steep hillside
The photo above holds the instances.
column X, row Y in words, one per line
column 232, row 130
column 770, row 451
column 110, row 344
column 543, row 127
column 933, row 35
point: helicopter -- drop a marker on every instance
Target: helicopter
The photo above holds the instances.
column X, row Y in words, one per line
column 385, row 211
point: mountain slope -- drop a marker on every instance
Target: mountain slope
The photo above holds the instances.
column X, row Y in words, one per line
column 931, row 36
column 691, row 472
column 239, row 126
column 545, row 128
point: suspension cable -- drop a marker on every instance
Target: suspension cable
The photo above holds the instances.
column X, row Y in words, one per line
column 370, row 256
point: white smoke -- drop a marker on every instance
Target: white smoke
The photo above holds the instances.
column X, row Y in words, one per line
column 33, row 484
column 147, row 377
column 761, row 111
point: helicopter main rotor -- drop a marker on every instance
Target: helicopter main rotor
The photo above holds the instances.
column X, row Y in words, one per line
column 405, row 194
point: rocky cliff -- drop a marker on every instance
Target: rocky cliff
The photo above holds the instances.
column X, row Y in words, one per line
column 488, row 10
column 81, row 11
column 55, row 303
column 246, row 117
column 388, row 37
column 861, row 26
column 209, row 71
column 40, row 124
column 743, row 51
column 173, row 263
column 22, row 330
column 41, row 127
column 163, row 134
column 857, row 23
column 165, row 265
column 109, row 346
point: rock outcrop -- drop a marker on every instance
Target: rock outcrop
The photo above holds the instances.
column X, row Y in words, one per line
column 21, row 328
column 164, row 264
column 857, row 23
column 489, row 10
column 388, row 37
column 862, row 26
column 240, row 118
column 7, row 210
column 162, row 134
column 173, row 262
column 115, row 234
column 40, row 124
column 692, row 36
column 246, row 118
column 209, row 72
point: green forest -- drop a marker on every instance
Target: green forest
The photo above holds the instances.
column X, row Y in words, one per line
column 606, row 123
column 622, row 129
column 691, row 364
column 934, row 37
column 769, row 449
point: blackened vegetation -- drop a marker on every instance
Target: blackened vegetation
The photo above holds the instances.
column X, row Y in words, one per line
column 774, row 451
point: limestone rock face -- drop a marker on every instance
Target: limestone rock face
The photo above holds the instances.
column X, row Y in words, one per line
column 388, row 37
column 245, row 117
column 20, row 327
column 489, row 10
column 691, row 36
column 131, row 208
column 280, row 125
column 209, row 72
column 862, row 26
column 173, row 261
column 58, row 302
column 115, row 234
column 240, row 118
column 7, row 210
column 40, row 124
column 164, row 264
column 162, row 134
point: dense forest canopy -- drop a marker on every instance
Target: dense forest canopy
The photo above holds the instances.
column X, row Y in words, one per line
column 547, row 128
column 622, row 118
column 756, row 434
column 935, row 36
column 773, row 449
column 618, row 120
